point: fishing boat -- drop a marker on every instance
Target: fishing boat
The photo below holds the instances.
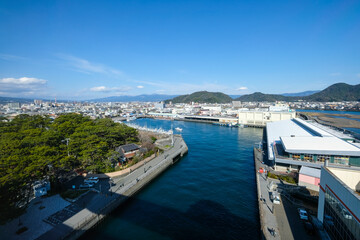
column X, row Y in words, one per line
column 178, row 129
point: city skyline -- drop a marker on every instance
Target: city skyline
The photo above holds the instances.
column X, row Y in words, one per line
column 89, row 49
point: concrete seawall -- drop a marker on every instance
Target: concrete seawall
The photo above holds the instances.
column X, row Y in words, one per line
column 77, row 225
column 268, row 221
column 261, row 214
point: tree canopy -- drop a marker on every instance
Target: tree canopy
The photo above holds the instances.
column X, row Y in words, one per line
column 35, row 147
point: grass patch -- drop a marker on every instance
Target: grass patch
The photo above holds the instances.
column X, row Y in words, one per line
column 284, row 178
column 21, row 230
column 72, row 194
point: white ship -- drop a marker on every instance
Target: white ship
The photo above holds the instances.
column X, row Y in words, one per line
column 178, row 129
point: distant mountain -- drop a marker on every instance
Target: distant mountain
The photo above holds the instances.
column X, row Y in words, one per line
column 138, row 98
column 202, row 97
column 336, row 92
column 11, row 99
column 300, row 94
column 262, row 97
column 234, row 96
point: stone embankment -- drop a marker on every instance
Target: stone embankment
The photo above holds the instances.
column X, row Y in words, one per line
column 123, row 188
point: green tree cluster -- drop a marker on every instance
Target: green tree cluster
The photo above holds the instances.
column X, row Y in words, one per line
column 35, row 147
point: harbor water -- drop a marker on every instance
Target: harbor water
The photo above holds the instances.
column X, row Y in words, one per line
column 208, row 194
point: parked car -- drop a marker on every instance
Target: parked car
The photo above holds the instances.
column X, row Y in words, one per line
column 86, row 185
column 303, row 214
column 93, row 180
column 346, row 214
column 275, row 197
column 328, row 220
column 309, row 228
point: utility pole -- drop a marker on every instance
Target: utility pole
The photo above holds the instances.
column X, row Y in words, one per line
column 67, row 145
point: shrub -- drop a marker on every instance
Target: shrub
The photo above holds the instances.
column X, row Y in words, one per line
column 21, row 230
column 72, row 194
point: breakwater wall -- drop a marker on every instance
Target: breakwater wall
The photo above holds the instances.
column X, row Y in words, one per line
column 258, row 154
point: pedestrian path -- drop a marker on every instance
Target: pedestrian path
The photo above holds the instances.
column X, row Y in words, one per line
column 267, row 209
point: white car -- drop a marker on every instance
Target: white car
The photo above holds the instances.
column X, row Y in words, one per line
column 303, row 214
column 346, row 214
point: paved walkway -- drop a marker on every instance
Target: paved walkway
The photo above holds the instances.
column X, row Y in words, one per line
column 33, row 218
column 266, row 207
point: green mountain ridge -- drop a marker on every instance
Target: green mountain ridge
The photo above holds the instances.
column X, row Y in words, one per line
column 334, row 93
column 202, row 97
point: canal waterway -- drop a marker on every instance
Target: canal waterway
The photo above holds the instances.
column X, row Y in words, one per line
column 208, row 194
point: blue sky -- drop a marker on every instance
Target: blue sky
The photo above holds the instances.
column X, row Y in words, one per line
column 89, row 49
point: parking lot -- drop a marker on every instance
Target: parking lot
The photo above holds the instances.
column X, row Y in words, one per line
column 289, row 222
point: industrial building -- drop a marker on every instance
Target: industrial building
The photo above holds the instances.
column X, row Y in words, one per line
column 296, row 142
column 259, row 117
column 339, row 202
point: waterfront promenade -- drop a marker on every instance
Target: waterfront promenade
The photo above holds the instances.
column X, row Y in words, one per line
column 103, row 203
column 268, row 220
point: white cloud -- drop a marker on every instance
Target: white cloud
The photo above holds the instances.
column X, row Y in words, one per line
column 86, row 66
column 335, row 74
column 140, row 87
column 9, row 57
column 24, row 85
column 241, row 88
column 99, row 89
column 110, row 89
column 22, row 81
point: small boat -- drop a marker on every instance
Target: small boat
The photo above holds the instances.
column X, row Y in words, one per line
column 178, row 129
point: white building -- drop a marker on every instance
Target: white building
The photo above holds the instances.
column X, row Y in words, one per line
column 260, row 118
column 297, row 143
column 339, row 202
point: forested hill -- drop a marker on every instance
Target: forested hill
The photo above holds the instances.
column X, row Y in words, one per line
column 35, row 147
column 337, row 92
column 261, row 97
column 202, row 97
column 333, row 93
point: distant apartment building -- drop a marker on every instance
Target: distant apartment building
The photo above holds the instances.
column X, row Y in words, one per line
column 14, row 105
column 38, row 102
column 236, row 104
column 159, row 105
column 339, row 202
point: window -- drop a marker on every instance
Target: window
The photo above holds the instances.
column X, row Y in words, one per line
column 322, row 158
column 308, row 157
column 338, row 221
column 344, row 160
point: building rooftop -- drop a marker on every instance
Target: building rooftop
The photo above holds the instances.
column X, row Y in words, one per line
column 349, row 176
column 299, row 136
column 319, row 146
column 313, row 172
column 128, row 147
